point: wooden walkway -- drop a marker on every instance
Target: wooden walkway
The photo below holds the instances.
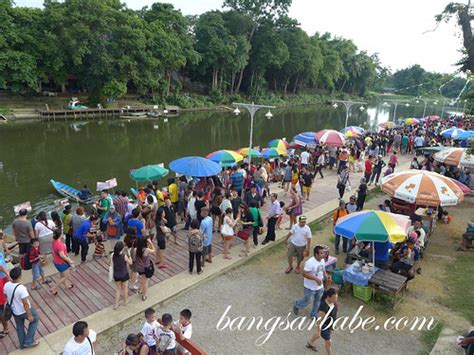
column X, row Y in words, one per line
column 93, row 292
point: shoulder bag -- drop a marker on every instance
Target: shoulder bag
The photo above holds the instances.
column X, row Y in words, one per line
column 7, row 310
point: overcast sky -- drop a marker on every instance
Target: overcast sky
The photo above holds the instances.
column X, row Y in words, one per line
column 393, row 28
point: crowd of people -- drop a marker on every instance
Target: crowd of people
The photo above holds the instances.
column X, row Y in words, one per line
column 139, row 229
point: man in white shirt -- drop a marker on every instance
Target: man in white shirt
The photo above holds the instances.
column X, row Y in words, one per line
column 299, row 242
column 304, row 158
column 314, row 273
column 418, row 226
column 17, row 295
column 83, row 342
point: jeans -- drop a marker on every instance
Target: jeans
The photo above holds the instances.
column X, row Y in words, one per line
column 196, row 256
column 319, row 169
column 84, row 246
column 345, row 241
column 303, row 302
column 332, row 161
column 29, row 338
column 375, row 176
column 271, row 229
column 70, row 243
column 341, row 189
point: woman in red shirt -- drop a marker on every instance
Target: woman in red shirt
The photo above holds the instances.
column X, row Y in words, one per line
column 61, row 262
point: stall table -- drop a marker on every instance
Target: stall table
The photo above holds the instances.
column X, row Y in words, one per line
column 389, row 283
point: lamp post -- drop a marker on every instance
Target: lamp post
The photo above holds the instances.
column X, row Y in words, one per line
column 252, row 109
column 348, row 105
column 425, row 101
column 395, row 104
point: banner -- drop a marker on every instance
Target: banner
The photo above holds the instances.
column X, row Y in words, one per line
column 109, row 184
column 112, row 183
column 25, row 205
column 61, row 202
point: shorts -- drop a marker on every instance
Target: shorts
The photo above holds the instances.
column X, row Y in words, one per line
column 306, row 189
column 207, row 249
column 24, row 248
column 227, row 237
column 122, row 279
column 294, row 250
column 161, row 242
column 326, row 334
column 37, row 270
column 61, row 267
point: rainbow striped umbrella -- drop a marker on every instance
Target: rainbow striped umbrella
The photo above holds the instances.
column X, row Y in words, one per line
column 355, row 131
column 270, row 153
column 412, row 121
column 373, row 226
column 279, row 143
column 254, row 152
column 225, row 157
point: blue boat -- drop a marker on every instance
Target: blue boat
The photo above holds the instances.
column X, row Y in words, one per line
column 70, row 192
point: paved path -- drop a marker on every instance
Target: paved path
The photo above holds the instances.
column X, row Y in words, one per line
column 93, row 293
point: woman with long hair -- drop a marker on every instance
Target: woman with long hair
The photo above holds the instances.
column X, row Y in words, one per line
column 120, row 262
column 227, row 231
column 295, row 207
column 144, row 264
column 135, row 345
column 57, row 220
column 326, row 317
column 246, row 220
column 61, row 261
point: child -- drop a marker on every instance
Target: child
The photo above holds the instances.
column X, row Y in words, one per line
column 446, row 217
column 99, row 251
column 36, row 264
column 166, row 340
column 388, row 171
column 150, row 329
column 184, row 328
column 280, row 217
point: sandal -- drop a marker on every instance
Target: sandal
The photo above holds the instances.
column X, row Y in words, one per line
column 200, row 272
column 312, row 347
column 37, row 287
column 287, row 271
column 70, row 287
column 144, row 298
column 162, row 266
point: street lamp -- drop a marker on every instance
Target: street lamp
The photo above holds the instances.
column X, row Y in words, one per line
column 252, row 109
column 348, row 105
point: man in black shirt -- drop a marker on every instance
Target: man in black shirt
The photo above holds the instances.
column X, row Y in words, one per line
column 170, row 215
column 199, row 204
column 306, row 179
column 253, row 195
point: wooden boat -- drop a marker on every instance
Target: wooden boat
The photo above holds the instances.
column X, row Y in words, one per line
column 70, row 192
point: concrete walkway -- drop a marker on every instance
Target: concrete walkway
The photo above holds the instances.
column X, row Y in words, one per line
column 323, row 200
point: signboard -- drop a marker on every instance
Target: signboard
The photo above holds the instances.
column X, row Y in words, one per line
column 25, row 205
column 109, row 184
column 112, row 183
column 61, row 202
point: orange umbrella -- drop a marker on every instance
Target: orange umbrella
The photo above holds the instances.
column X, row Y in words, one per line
column 423, row 188
column 455, row 156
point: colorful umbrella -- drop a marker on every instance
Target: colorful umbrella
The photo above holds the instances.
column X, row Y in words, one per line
column 148, row 173
column 279, row 143
column 305, row 138
column 464, row 136
column 385, row 125
column 355, row 131
column 465, row 189
column 456, row 157
column 195, row 166
column 270, row 153
column 224, row 156
column 432, row 118
column 373, row 226
column 452, row 132
column 411, row 121
column 330, row 137
column 254, row 152
column 351, row 134
column 422, row 187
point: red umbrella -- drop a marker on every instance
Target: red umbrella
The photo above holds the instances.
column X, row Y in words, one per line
column 465, row 189
column 432, row 118
column 330, row 137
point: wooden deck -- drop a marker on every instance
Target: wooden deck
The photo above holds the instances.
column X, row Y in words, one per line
column 92, row 291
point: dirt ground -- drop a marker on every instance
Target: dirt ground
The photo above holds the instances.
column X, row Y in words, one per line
column 260, row 288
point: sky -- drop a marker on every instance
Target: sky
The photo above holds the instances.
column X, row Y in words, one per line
column 395, row 29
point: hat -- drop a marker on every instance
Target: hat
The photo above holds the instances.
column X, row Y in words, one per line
column 302, row 219
column 342, row 202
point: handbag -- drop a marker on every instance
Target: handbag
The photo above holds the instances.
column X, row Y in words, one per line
column 244, row 234
column 149, row 270
column 112, row 230
column 7, row 310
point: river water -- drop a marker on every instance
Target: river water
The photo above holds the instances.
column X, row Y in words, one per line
column 86, row 152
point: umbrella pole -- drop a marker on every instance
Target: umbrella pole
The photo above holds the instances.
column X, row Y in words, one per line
column 373, row 257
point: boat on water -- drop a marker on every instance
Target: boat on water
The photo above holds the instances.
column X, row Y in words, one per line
column 70, row 192
column 75, row 104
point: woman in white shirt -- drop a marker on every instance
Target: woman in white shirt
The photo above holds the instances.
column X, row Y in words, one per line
column 44, row 228
column 227, row 231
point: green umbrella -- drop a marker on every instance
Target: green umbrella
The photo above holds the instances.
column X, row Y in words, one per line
column 148, row 173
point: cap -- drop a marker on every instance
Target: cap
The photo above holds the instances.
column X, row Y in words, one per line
column 342, row 202
column 302, row 219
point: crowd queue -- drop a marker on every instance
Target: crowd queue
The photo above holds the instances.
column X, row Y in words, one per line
column 140, row 229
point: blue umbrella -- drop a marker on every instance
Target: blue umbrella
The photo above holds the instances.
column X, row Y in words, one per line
column 452, row 132
column 305, row 138
column 465, row 135
column 195, row 166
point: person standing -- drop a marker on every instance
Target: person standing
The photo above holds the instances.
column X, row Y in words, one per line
column 361, row 194
column 306, row 181
column 121, row 203
column 320, row 161
column 368, row 168
column 170, row 217
column 287, row 177
column 352, row 206
column 144, row 264
column 103, row 206
column 87, row 229
column 24, row 233
column 120, row 263
column 343, row 158
column 340, row 212
column 295, row 207
column 327, row 315
column 83, row 342
column 195, row 246
column 76, row 222
column 61, row 261
column 377, row 170
column 227, row 231
column 332, row 156
column 237, row 180
column 393, row 161
column 206, row 228
column 299, row 244
column 342, row 181
column 314, row 273
column 304, row 158
column 66, row 219
column 274, row 212
column 18, row 297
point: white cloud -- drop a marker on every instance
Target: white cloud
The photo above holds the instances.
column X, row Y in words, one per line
column 394, row 29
